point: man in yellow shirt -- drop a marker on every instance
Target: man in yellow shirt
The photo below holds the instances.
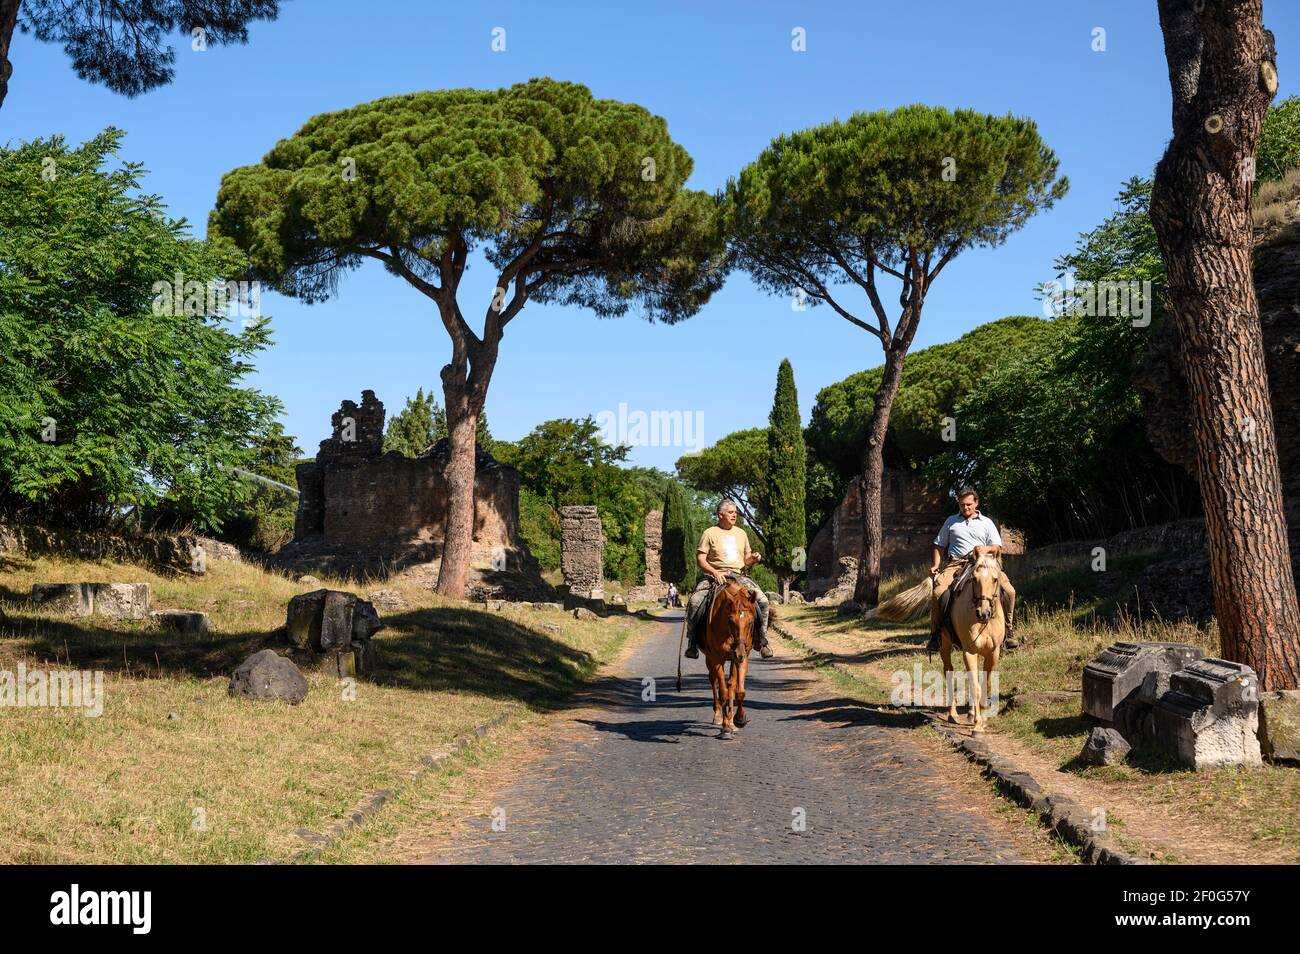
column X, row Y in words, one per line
column 725, row 548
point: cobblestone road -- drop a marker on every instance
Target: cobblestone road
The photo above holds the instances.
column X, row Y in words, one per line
column 627, row 780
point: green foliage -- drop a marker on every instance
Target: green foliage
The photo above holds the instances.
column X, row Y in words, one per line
column 123, row 44
column 869, row 191
column 544, row 176
column 539, row 526
column 935, row 380
column 735, row 467
column 265, row 521
column 1279, row 141
column 786, row 456
column 563, row 462
column 1056, row 435
column 143, row 398
column 417, row 427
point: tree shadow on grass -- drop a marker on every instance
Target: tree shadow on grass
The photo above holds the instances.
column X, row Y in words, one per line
column 462, row 650
column 431, row 650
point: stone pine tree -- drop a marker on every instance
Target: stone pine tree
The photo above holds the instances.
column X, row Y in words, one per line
column 123, row 43
column 1222, row 67
column 678, row 551
column 827, row 214
column 570, row 199
column 785, row 484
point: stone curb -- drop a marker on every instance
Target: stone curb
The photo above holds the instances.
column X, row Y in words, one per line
column 373, row 802
column 1059, row 813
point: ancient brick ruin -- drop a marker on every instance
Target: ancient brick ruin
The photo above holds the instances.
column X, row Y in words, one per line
column 363, row 512
column 582, row 551
column 653, row 587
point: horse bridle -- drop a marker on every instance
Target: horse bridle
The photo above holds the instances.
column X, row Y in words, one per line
column 976, row 599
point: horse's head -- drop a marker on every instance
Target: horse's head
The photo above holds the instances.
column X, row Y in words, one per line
column 986, row 586
column 734, row 613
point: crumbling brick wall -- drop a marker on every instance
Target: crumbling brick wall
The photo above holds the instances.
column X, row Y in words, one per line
column 582, row 550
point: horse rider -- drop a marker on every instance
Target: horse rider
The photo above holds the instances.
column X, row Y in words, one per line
column 725, row 548
column 964, row 533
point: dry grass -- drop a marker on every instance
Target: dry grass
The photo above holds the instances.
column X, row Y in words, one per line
column 1271, row 205
column 173, row 749
column 1067, row 624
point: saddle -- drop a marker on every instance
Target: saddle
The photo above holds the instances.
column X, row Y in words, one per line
column 946, row 598
column 697, row 625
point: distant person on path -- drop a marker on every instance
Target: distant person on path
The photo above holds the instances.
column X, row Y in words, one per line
column 673, row 598
column 724, row 549
column 965, row 532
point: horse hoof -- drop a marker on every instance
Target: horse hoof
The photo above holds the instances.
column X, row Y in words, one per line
column 717, row 720
column 726, row 735
column 741, row 722
column 978, row 727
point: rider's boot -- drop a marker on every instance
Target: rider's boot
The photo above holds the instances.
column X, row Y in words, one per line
column 933, row 645
column 764, row 646
column 692, row 650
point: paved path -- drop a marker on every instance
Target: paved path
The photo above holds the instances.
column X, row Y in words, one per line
column 627, row 780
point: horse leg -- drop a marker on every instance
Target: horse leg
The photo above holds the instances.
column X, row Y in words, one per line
column 949, row 695
column 715, row 680
column 741, row 717
column 973, row 677
column 990, row 670
column 728, row 703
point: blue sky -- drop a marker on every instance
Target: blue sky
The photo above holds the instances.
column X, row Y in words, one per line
column 725, row 77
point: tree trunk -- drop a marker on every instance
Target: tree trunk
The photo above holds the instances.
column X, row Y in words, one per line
column 867, row 591
column 458, row 535
column 1221, row 67
column 464, row 386
column 8, row 20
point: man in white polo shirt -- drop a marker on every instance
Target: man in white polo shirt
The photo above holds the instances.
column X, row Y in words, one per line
column 962, row 534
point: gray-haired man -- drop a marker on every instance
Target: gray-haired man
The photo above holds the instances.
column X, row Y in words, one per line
column 724, row 549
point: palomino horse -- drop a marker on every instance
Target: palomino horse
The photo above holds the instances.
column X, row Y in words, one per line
column 980, row 624
column 728, row 636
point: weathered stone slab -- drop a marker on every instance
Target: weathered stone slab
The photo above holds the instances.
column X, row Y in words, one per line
column 336, row 620
column 189, row 622
column 326, row 620
column 77, row 599
column 1118, row 673
column 268, row 675
column 1104, row 746
column 1210, row 715
column 121, row 600
column 1279, row 725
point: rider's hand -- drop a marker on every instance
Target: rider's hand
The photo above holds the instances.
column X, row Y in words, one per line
column 934, row 571
column 719, row 578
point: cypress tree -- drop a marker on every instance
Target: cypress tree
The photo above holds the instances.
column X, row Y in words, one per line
column 674, row 561
column 786, row 480
column 420, row 424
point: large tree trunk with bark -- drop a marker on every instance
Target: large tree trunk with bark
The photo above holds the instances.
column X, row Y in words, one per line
column 464, row 387
column 8, row 20
column 1222, row 70
column 867, row 591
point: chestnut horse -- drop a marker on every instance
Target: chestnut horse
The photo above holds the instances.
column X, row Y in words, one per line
column 978, row 620
column 728, row 636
